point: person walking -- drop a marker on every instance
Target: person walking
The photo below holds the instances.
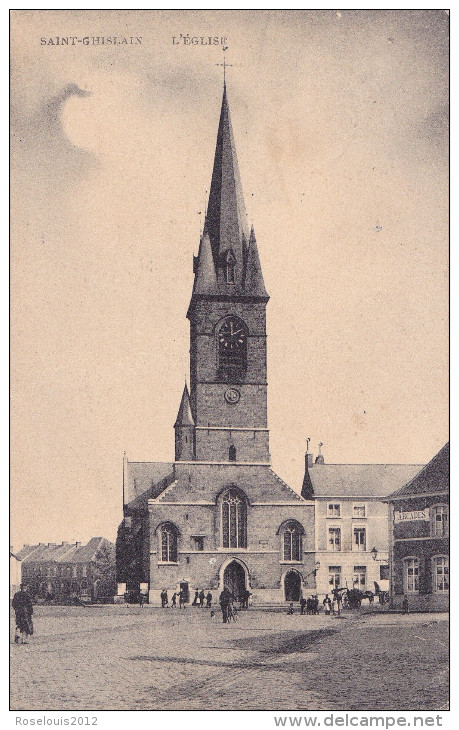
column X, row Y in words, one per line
column 225, row 600
column 182, row 599
column 302, row 605
column 195, row 599
column 23, row 608
column 201, row 598
column 405, row 604
column 327, row 605
column 174, row 600
column 209, row 600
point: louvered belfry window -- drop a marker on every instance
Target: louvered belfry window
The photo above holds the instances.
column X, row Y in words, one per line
column 234, row 521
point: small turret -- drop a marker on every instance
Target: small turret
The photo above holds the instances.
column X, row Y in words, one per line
column 307, row 490
column 184, row 429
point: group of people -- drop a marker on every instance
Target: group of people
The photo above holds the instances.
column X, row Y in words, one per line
column 311, row 605
column 200, row 597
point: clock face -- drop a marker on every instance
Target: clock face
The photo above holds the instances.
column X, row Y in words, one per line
column 232, row 337
column 232, row 395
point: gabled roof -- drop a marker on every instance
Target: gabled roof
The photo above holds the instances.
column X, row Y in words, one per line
column 433, row 478
column 359, row 480
column 63, row 553
column 145, row 480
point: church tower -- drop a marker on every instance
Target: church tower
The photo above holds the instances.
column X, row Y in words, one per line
column 227, row 314
column 218, row 515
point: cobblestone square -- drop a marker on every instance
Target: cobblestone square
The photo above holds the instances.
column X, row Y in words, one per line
column 132, row 658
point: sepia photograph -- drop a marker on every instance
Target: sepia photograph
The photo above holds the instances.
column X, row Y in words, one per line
column 229, row 269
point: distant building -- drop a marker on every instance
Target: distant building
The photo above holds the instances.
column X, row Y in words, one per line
column 351, row 521
column 15, row 572
column 419, row 537
column 70, row 572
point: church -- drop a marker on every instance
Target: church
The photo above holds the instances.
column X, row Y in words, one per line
column 218, row 515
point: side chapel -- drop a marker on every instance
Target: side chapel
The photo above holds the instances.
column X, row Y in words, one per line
column 218, row 515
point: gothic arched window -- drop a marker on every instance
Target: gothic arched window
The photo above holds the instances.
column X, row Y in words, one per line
column 232, row 348
column 168, row 543
column 292, row 542
column 232, row 453
column 234, row 520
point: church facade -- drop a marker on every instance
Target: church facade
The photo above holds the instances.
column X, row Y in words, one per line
column 218, row 515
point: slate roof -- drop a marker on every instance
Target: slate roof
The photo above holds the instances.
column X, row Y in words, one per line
column 145, row 480
column 433, row 478
column 61, row 553
column 359, row 480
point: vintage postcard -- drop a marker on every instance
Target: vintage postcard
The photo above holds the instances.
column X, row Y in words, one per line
column 230, row 447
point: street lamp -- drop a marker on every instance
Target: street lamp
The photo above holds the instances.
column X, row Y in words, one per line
column 374, row 555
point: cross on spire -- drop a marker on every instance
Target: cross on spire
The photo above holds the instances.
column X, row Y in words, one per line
column 225, row 65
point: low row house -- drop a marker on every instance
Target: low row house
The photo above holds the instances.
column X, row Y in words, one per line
column 69, row 572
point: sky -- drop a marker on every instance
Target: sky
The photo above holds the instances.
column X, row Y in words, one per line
column 340, row 122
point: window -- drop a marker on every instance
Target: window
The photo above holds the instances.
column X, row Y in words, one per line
column 411, row 575
column 198, row 542
column 232, row 453
column 74, row 571
column 359, row 510
column 383, row 572
column 360, row 577
column 334, row 509
column 168, row 543
column 292, row 542
column 230, row 266
column 440, row 520
column 334, row 576
column 359, row 538
column 234, row 520
column 84, row 571
column 440, row 577
column 334, row 538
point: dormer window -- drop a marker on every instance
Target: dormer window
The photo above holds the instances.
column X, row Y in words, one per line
column 230, row 266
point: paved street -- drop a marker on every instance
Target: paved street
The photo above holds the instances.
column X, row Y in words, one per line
column 128, row 658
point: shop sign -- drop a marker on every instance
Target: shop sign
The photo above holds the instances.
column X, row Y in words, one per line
column 412, row 516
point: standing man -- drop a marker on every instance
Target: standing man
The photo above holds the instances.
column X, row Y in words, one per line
column 302, row 604
column 225, row 600
column 201, row 598
column 23, row 608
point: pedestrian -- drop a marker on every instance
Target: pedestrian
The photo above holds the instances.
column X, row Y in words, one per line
column 327, row 605
column 290, row 610
column 225, row 600
column 23, row 608
column 315, row 605
column 182, row 599
column 201, row 598
column 195, row 599
column 174, row 600
column 209, row 600
column 302, row 605
column 405, row 605
column 142, row 598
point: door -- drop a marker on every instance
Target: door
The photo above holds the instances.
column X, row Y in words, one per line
column 234, row 579
column 292, row 586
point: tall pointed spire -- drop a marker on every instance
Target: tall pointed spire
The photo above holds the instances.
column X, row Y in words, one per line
column 226, row 215
column 184, row 415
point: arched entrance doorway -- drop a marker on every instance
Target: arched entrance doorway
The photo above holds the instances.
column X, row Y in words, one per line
column 292, row 586
column 234, row 578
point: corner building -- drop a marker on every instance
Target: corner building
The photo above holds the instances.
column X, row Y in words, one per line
column 219, row 515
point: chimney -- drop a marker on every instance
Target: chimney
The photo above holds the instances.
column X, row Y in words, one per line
column 64, row 542
column 78, row 544
column 320, row 459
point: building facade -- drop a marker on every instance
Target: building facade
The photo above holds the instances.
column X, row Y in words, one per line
column 419, row 537
column 218, row 515
column 70, row 572
column 351, row 521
